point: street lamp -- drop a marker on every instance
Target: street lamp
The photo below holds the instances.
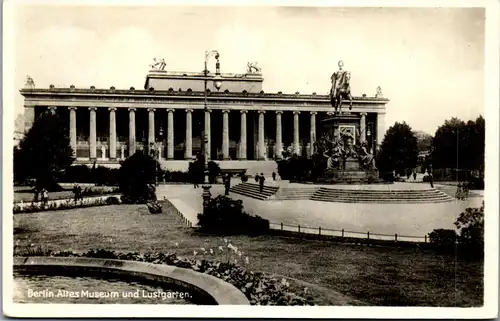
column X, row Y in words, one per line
column 158, row 151
column 217, row 83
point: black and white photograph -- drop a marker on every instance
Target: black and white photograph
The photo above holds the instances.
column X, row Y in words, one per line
column 276, row 160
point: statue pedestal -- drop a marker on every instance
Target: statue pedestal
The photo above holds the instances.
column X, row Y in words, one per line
column 351, row 164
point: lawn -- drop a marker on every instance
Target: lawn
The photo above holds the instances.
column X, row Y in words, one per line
column 337, row 274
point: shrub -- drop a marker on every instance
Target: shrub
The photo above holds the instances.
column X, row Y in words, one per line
column 99, row 175
column 177, row 176
column 154, row 207
column 136, row 175
column 443, row 239
column 112, row 200
column 225, row 216
column 196, row 171
column 471, row 226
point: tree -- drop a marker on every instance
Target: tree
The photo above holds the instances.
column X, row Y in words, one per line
column 398, row 150
column 424, row 141
column 460, row 145
column 44, row 152
column 135, row 175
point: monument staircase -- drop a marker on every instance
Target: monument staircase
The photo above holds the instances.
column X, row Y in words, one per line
column 294, row 193
column 342, row 195
column 253, row 190
column 430, row 195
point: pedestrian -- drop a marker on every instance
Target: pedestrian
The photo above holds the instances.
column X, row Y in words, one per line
column 256, row 178
column 36, row 191
column 431, row 179
column 227, row 184
column 75, row 192
column 414, row 176
column 274, row 176
column 45, row 197
column 261, row 182
column 80, row 193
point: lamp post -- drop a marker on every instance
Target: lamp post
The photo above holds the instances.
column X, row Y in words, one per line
column 157, row 153
column 217, row 83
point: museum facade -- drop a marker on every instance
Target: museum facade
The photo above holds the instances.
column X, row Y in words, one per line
column 242, row 122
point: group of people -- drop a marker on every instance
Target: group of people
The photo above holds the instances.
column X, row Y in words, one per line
column 43, row 194
column 77, row 191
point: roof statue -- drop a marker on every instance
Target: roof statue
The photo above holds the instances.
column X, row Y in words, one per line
column 253, row 68
column 30, row 83
column 341, row 88
column 379, row 92
column 158, row 64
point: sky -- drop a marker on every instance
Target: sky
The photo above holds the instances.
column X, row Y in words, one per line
column 428, row 61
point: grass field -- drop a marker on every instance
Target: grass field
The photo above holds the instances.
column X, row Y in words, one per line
column 337, row 274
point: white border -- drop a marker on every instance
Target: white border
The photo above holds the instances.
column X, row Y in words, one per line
column 492, row 86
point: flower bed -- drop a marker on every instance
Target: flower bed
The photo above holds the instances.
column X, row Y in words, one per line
column 259, row 288
column 69, row 204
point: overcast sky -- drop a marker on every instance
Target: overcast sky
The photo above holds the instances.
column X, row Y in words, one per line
column 429, row 62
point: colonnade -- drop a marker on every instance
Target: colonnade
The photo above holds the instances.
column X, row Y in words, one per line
column 188, row 153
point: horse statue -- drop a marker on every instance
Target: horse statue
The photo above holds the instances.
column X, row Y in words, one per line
column 252, row 67
column 341, row 88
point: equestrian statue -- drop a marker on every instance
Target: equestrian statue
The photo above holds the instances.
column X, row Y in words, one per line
column 341, row 88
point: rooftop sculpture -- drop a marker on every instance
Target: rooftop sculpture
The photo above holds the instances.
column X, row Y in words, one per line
column 252, row 67
column 158, row 64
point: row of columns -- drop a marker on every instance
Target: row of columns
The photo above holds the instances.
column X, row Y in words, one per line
column 189, row 139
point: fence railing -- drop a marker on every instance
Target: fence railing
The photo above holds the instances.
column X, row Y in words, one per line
column 319, row 231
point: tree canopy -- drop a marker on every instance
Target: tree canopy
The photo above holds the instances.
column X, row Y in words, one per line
column 399, row 149
column 424, row 141
column 457, row 144
column 44, row 152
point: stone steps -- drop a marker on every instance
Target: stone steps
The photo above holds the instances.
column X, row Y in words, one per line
column 289, row 193
column 366, row 196
column 253, row 190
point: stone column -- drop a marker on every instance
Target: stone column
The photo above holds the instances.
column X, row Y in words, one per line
column 362, row 128
column 207, row 134
column 72, row 129
column 131, row 132
column 170, row 134
column 262, row 147
column 112, row 133
column 225, row 134
column 243, row 135
column 380, row 128
column 151, row 128
column 296, row 142
column 93, row 133
column 279, row 139
column 188, row 152
column 312, row 138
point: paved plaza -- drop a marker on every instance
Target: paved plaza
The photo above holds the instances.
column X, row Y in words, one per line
column 403, row 219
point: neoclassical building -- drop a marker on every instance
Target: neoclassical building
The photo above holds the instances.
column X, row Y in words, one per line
column 243, row 122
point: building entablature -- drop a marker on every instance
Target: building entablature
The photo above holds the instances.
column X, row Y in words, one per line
column 194, row 99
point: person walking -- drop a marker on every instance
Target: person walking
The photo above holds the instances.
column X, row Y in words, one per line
column 274, row 176
column 227, row 184
column 36, row 191
column 415, row 176
column 431, row 179
column 261, row 182
column 45, row 197
column 256, row 178
column 75, row 191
